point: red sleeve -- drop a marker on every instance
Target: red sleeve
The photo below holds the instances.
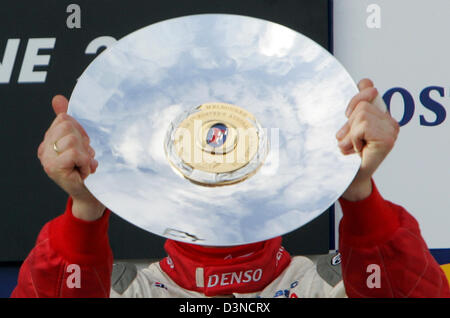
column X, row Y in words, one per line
column 71, row 258
column 384, row 254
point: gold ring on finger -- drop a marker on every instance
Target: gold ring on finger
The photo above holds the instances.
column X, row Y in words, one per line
column 55, row 147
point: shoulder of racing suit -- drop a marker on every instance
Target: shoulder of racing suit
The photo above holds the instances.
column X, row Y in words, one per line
column 328, row 267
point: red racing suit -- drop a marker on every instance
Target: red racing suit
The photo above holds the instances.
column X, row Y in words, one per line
column 382, row 255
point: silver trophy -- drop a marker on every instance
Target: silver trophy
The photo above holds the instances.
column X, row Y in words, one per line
column 140, row 98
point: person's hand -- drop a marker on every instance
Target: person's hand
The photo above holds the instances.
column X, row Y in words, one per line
column 371, row 132
column 67, row 158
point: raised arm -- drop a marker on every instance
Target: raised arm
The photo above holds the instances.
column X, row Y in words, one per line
column 383, row 252
column 72, row 257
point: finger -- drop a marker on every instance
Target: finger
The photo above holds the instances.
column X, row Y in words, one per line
column 58, row 119
column 346, row 145
column 83, row 164
column 66, row 164
column 363, row 111
column 64, row 126
column 80, row 128
column 358, row 124
column 59, row 130
column 353, row 142
column 60, row 104
column 380, row 104
column 64, row 117
column 40, row 150
column 358, row 139
column 343, row 131
column 94, row 165
column 76, row 125
column 73, row 141
column 348, row 152
column 73, row 159
column 365, row 83
column 366, row 95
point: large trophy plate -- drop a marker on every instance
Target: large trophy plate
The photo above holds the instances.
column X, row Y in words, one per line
column 216, row 129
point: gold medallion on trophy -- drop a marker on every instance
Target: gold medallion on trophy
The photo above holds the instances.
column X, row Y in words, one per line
column 216, row 144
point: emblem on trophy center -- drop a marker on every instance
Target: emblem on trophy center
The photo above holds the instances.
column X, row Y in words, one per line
column 216, row 144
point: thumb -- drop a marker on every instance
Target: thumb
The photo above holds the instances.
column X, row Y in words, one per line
column 60, row 104
column 365, row 83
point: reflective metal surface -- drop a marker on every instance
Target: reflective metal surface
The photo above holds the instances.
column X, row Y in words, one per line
column 129, row 95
